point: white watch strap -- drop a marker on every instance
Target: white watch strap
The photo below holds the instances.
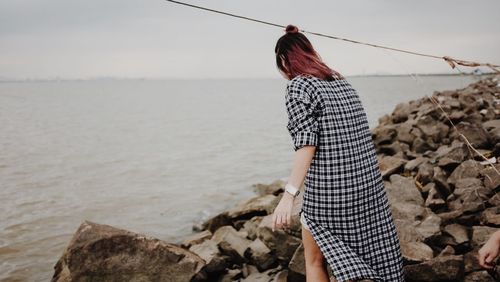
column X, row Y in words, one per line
column 291, row 189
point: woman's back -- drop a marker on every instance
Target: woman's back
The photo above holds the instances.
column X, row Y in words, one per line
column 345, row 204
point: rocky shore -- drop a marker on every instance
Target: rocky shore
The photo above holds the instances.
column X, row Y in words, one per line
column 444, row 198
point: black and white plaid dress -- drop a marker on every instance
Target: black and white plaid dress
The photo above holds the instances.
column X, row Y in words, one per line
column 345, row 204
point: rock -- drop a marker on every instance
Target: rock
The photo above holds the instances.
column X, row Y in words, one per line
column 256, row 206
column 404, row 133
column 458, row 232
column 447, row 251
column 250, row 226
column 453, row 155
column 297, row 265
column 389, row 165
column 196, row 238
column 471, row 261
column 481, row 234
column 440, row 268
column 470, row 195
column 493, row 128
column 440, row 178
column 384, row 135
column 413, row 164
column 99, row 252
column 429, row 226
column 495, row 200
column 491, row 177
column 491, row 216
column 425, row 173
column 231, row 275
column 420, row 145
column 255, row 276
column 416, row 251
column 468, row 168
column 281, row 276
column 401, row 112
column 216, row 222
column 476, row 134
column 280, row 242
column 260, row 255
column 434, row 199
column 275, row 188
column 402, row 189
column 231, row 242
column 479, row 276
column 432, row 128
column 209, row 252
column 395, row 149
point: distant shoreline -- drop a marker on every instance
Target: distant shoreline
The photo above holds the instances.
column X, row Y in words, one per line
column 28, row 80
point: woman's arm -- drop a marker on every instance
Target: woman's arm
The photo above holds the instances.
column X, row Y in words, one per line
column 489, row 251
column 282, row 215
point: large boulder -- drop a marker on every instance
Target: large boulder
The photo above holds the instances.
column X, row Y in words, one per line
column 99, row 252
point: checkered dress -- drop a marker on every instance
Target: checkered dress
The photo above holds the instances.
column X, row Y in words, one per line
column 345, row 205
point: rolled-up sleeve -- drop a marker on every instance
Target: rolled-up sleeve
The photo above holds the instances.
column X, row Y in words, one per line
column 302, row 114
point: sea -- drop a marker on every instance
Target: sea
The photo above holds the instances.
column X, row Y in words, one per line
column 153, row 156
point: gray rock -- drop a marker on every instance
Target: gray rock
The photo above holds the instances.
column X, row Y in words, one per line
column 384, row 135
column 260, row 205
column 209, row 252
column 432, row 128
column 474, row 132
column 402, row 189
column 470, row 194
column 100, row 252
column 468, row 168
column 413, row 164
column 196, row 238
column 297, row 265
column 416, row 251
column 280, row 242
column 274, row 188
column 401, row 112
column 491, row 216
column 491, row 177
column 389, row 165
column 438, row 269
column 479, row 276
column 404, row 133
column 471, row 261
column 481, row 234
column 231, row 242
column 434, row 199
column 458, row 232
column 260, row 255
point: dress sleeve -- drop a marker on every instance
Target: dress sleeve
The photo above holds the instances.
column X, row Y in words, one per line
column 302, row 114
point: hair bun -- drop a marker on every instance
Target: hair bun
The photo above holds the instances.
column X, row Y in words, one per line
column 291, row 29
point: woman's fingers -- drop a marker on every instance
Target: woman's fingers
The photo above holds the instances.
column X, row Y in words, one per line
column 483, row 260
column 280, row 220
column 273, row 225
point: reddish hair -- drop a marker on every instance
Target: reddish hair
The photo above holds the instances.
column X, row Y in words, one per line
column 300, row 58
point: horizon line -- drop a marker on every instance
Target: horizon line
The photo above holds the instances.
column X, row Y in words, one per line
column 7, row 79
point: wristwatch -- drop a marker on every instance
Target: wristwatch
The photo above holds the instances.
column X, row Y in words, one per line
column 292, row 189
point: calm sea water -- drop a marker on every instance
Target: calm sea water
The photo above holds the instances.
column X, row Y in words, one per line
column 153, row 157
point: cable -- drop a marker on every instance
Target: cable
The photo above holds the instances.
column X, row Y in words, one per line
column 451, row 61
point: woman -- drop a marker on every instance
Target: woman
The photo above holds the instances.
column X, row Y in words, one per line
column 345, row 215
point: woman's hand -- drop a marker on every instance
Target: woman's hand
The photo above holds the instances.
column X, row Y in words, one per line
column 489, row 251
column 282, row 215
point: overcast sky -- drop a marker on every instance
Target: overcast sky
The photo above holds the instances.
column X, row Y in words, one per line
column 160, row 39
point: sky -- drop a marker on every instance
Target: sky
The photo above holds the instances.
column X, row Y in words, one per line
column 46, row 39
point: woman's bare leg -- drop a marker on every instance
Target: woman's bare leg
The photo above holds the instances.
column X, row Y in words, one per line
column 315, row 261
